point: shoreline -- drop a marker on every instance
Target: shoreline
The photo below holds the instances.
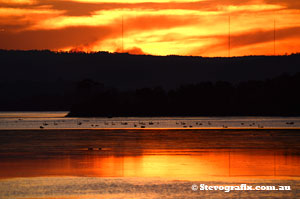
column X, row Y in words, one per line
column 167, row 129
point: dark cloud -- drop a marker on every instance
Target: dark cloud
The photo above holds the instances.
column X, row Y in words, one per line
column 290, row 4
column 246, row 39
column 54, row 39
column 73, row 8
column 256, row 37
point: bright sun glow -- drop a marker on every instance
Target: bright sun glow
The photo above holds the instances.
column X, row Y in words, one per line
column 159, row 27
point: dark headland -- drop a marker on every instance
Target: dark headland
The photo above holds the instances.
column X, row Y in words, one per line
column 274, row 97
column 111, row 84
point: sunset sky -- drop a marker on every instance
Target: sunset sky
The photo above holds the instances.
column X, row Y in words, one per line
column 157, row 27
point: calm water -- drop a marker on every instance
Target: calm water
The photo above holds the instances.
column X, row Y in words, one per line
column 56, row 120
column 71, row 161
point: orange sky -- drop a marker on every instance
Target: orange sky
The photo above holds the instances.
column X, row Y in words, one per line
column 158, row 27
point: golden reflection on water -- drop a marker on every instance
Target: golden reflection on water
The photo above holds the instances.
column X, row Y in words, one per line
column 166, row 164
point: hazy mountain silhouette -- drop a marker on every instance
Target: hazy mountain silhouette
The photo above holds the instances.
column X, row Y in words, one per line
column 45, row 80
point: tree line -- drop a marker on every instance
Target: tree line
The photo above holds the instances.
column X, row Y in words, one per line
column 272, row 97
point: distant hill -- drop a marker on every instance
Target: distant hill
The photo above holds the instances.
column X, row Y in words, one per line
column 273, row 97
column 45, row 80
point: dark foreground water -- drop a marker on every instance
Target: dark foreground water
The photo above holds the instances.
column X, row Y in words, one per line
column 147, row 163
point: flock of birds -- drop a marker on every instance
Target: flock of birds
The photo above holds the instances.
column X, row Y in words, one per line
column 149, row 124
column 146, row 124
column 79, row 123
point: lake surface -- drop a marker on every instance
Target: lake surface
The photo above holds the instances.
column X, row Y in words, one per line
column 72, row 161
column 56, row 120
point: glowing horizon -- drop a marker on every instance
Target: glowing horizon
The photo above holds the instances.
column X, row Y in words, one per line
column 157, row 27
